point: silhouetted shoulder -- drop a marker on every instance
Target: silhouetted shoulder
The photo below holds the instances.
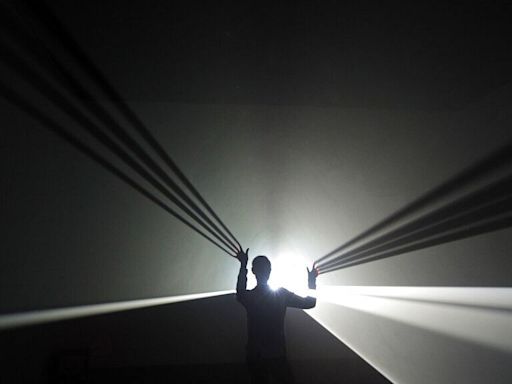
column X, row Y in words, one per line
column 292, row 300
column 283, row 292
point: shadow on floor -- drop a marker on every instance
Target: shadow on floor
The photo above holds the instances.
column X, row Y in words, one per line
column 200, row 341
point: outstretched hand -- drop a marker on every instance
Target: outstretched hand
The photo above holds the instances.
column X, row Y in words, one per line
column 243, row 257
column 312, row 275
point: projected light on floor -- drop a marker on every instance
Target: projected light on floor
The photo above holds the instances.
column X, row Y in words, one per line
column 477, row 314
column 15, row 320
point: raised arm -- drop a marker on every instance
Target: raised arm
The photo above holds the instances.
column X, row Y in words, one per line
column 241, row 284
column 304, row 302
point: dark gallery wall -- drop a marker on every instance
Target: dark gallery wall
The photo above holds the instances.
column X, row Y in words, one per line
column 297, row 149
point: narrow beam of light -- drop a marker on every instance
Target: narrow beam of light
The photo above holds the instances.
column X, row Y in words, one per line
column 477, row 314
column 15, row 320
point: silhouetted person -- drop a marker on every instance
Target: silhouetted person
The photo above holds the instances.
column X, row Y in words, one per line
column 266, row 308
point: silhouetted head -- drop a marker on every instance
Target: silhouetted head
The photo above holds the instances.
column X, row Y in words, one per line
column 261, row 269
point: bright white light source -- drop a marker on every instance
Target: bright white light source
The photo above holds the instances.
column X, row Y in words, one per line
column 289, row 271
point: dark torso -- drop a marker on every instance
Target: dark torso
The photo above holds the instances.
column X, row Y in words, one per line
column 266, row 310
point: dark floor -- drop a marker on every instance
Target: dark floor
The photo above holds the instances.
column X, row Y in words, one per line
column 198, row 341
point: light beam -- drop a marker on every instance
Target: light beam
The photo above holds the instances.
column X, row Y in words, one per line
column 16, row 320
column 477, row 314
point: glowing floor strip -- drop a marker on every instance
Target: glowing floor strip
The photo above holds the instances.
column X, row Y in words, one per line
column 476, row 314
column 486, row 297
column 57, row 314
column 318, row 319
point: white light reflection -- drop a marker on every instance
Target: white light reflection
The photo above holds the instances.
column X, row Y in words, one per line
column 43, row 316
column 479, row 314
column 289, row 271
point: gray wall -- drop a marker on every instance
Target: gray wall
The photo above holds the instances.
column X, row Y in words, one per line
column 297, row 178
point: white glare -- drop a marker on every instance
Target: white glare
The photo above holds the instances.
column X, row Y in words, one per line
column 289, row 271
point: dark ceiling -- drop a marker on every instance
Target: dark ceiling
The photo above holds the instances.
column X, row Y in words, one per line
column 419, row 55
